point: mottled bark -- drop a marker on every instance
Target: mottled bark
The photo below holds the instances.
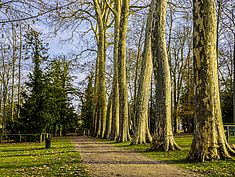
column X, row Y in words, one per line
column 115, row 110
column 102, row 94
column 209, row 142
column 101, row 71
column 219, row 6
column 163, row 137
column 108, row 118
column 115, row 97
column 141, row 129
column 122, row 79
column 234, row 78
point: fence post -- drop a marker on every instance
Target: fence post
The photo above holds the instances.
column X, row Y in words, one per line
column 1, row 135
column 227, row 133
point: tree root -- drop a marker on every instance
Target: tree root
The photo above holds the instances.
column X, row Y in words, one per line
column 167, row 144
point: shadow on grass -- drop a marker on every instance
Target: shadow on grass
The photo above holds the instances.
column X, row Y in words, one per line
column 31, row 165
column 64, row 147
column 178, row 161
column 35, row 149
column 26, row 149
column 38, row 154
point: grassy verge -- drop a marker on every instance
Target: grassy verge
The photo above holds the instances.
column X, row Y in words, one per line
column 32, row 159
column 223, row 168
column 232, row 140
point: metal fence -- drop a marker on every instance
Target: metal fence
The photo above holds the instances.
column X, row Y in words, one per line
column 230, row 132
column 24, row 137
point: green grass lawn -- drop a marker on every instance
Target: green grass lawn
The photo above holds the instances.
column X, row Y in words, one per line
column 232, row 140
column 222, row 168
column 32, row 159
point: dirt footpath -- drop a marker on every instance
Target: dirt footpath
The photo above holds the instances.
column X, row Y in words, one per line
column 104, row 160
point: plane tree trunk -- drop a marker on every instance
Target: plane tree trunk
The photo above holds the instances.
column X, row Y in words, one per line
column 124, row 134
column 101, row 57
column 163, row 139
column 209, row 142
column 142, row 130
column 115, row 95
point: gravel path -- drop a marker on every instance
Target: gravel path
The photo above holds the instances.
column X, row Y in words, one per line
column 104, row 160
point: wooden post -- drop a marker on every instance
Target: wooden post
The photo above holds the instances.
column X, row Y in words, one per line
column 227, row 133
column 0, row 135
column 40, row 138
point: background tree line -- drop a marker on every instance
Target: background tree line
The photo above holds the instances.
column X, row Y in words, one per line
column 42, row 103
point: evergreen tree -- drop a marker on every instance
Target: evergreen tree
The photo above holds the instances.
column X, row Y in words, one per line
column 59, row 88
column 34, row 113
column 227, row 102
column 87, row 105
